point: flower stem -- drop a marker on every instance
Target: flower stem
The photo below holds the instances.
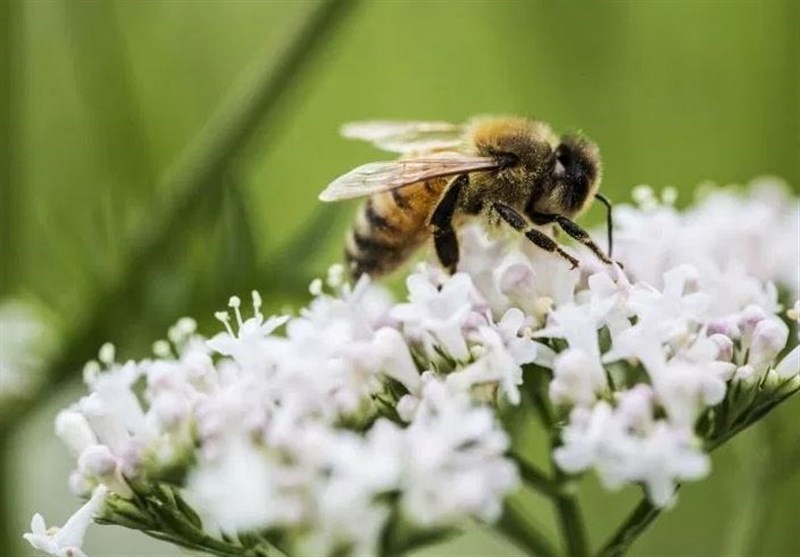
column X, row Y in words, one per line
column 537, row 479
column 521, row 530
column 573, row 530
column 570, row 518
column 636, row 523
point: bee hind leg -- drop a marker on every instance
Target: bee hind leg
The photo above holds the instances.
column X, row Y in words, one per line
column 574, row 231
column 542, row 240
column 444, row 235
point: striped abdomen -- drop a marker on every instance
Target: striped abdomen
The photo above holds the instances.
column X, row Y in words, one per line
column 390, row 226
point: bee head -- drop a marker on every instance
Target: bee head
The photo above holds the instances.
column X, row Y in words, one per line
column 576, row 173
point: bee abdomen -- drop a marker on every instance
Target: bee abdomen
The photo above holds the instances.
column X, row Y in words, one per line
column 389, row 227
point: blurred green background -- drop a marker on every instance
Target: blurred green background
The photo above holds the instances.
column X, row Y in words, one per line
column 105, row 106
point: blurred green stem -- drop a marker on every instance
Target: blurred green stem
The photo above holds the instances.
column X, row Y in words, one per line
column 754, row 483
column 636, row 523
column 520, row 529
column 570, row 517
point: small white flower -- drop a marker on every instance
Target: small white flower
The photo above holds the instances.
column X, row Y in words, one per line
column 438, row 315
column 67, row 540
column 665, row 457
column 454, row 465
column 577, row 378
column 684, row 388
column 244, row 489
column 245, row 344
column 501, row 356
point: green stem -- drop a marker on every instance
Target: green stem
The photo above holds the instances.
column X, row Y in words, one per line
column 753, row 485
column 573, row 529
column 537, row 479
column 198, row 178
column 521, row 530
column 636, row 523
column 570, row 517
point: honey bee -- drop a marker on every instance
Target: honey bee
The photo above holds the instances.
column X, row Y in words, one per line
column 508, row 171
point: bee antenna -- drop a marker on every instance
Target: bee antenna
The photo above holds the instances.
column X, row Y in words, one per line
column 609, row 221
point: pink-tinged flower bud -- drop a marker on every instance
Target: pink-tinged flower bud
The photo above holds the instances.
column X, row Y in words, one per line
column 98, row 461
column 198, row 364
column 169, row 408
column 726, row 327
column 750, row 317
column 725, row 346
column 769, row 338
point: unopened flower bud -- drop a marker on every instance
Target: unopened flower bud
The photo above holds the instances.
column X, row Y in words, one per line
column 727, row 327
column 74, row 431
column 407, row 406
column 769, row 338
column 789, row 366
column 169, row 408
column 97, row 461
column 746, row 374
column 725, row 346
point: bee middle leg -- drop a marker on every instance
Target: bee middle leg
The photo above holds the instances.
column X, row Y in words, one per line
column 444, row 235
column 574, row 231
column 542, row 240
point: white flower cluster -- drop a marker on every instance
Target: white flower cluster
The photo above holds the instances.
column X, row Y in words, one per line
column 365, row 413
column 276, row 417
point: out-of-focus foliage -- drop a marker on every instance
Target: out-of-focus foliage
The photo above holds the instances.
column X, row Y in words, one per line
column 100, row 98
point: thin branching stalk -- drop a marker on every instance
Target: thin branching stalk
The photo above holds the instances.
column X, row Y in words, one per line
column 570, row 517
column 537, row 479
column 637, row 522
column 522, row 531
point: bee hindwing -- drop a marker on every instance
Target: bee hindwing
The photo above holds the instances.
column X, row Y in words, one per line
column 407, row 137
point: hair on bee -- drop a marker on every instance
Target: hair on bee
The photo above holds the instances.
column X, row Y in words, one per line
column 505, row 171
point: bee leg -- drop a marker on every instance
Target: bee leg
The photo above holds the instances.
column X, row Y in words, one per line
column 444, row 235
column 539, row 238
column 574, row 231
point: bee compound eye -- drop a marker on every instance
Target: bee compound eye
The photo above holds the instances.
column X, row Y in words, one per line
column 563, row 155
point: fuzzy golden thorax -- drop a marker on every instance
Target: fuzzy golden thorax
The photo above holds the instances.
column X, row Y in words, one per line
column 527, row 146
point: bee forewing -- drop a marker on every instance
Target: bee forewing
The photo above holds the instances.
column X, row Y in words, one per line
column 407, row 137
column 377, row 177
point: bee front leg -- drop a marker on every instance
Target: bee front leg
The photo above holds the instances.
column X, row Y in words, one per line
column 574, row 231
column 518, row 222
column 444, row 235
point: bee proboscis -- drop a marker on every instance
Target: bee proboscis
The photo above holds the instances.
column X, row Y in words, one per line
column 512, row 171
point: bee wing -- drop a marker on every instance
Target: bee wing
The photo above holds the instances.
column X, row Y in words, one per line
column 377, row 177
column 407, row 137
